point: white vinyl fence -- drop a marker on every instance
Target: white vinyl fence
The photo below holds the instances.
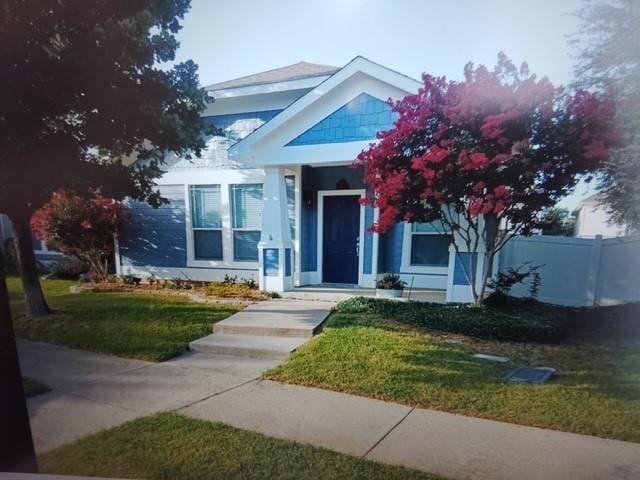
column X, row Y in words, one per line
column 578, row 271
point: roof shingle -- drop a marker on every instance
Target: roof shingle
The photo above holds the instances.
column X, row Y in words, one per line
column 296, row 71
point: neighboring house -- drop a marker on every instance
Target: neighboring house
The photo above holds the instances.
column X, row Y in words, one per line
column 276, row 199
column 43, row 254
column 592, row 219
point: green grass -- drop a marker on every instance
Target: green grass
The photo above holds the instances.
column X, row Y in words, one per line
column 33, row 387
column 168, row 446
column 148, row 327
column 597, row 391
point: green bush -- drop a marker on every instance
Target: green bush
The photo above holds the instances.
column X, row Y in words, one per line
column 523, row 323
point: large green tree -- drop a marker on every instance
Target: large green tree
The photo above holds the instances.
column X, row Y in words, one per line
column 85, row 83
column 610, row 58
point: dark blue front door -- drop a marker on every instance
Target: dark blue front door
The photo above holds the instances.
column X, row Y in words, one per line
column 341, row 228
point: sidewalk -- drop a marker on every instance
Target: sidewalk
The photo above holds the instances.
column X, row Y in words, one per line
column 93, row 392
column 450, row 445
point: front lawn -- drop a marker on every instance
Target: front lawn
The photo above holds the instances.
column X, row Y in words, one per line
column 597, row 391
column 169, row 445
column 148, row 327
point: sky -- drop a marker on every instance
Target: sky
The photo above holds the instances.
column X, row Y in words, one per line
column 232, row 38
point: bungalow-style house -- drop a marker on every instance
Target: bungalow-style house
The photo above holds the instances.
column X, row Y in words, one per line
column 277, row 200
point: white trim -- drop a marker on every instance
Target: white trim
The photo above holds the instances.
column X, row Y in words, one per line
column 375, row 247
column 116, row 254
column 190, row 273
column 298, row 224
column 320, row 247
column 405, row 264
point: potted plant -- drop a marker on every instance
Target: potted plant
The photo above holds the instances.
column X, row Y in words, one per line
column 390, row 286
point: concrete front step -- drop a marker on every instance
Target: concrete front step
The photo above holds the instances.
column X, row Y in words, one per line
column 277, row 318
column 254, row 346
column 260, row 330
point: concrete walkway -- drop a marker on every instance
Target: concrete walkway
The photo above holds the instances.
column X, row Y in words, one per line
column 92, row 392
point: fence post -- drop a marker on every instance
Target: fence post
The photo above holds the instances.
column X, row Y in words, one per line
column 594, row 271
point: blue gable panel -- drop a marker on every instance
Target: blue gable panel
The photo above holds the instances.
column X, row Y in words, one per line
column 156, row 237
column 464, row 268
column 368, row 240
column 360, row 119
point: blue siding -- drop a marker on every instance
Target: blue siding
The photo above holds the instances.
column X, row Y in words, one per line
column 287, row 262
column 156, row 237
column 312, row 180
column 368, row 240
column 393, row 249
column 233, row 127
column 465, row 262
column 360, row 119
column 271, row 262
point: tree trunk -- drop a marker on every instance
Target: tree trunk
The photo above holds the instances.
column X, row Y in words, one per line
column 16, row 443
column 36, row 303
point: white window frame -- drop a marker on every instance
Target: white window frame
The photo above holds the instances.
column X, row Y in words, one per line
column 406, row 266
column 191, row 228
column 236, row 229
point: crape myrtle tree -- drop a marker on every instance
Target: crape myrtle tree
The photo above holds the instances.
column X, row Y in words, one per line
column 480, row 158
column 82, row 227
column 82, row 88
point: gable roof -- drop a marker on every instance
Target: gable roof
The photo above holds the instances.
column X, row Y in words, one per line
column 296, row 71
column 359, row 64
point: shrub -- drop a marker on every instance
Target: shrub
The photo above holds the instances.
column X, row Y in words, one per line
column 179, row 284
column 68, row 268
column 250, row 283
column 532, row 322
column 391, row 281
column 230, row 280
column 82, row 227
column 130, row 279
column 505, row 281
column 231, row 290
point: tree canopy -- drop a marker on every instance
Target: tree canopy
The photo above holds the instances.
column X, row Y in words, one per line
column 609, row 58
column 86, row 84
column 482, row 157
column 82, row 89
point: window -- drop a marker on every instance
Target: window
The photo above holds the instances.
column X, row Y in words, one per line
column 246, row 220
column 206, row 221
column 429, row 246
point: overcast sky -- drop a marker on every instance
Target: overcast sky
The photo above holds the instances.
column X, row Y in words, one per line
column 232, row 38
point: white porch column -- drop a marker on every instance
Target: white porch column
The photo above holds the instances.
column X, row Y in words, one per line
column 275, row 247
